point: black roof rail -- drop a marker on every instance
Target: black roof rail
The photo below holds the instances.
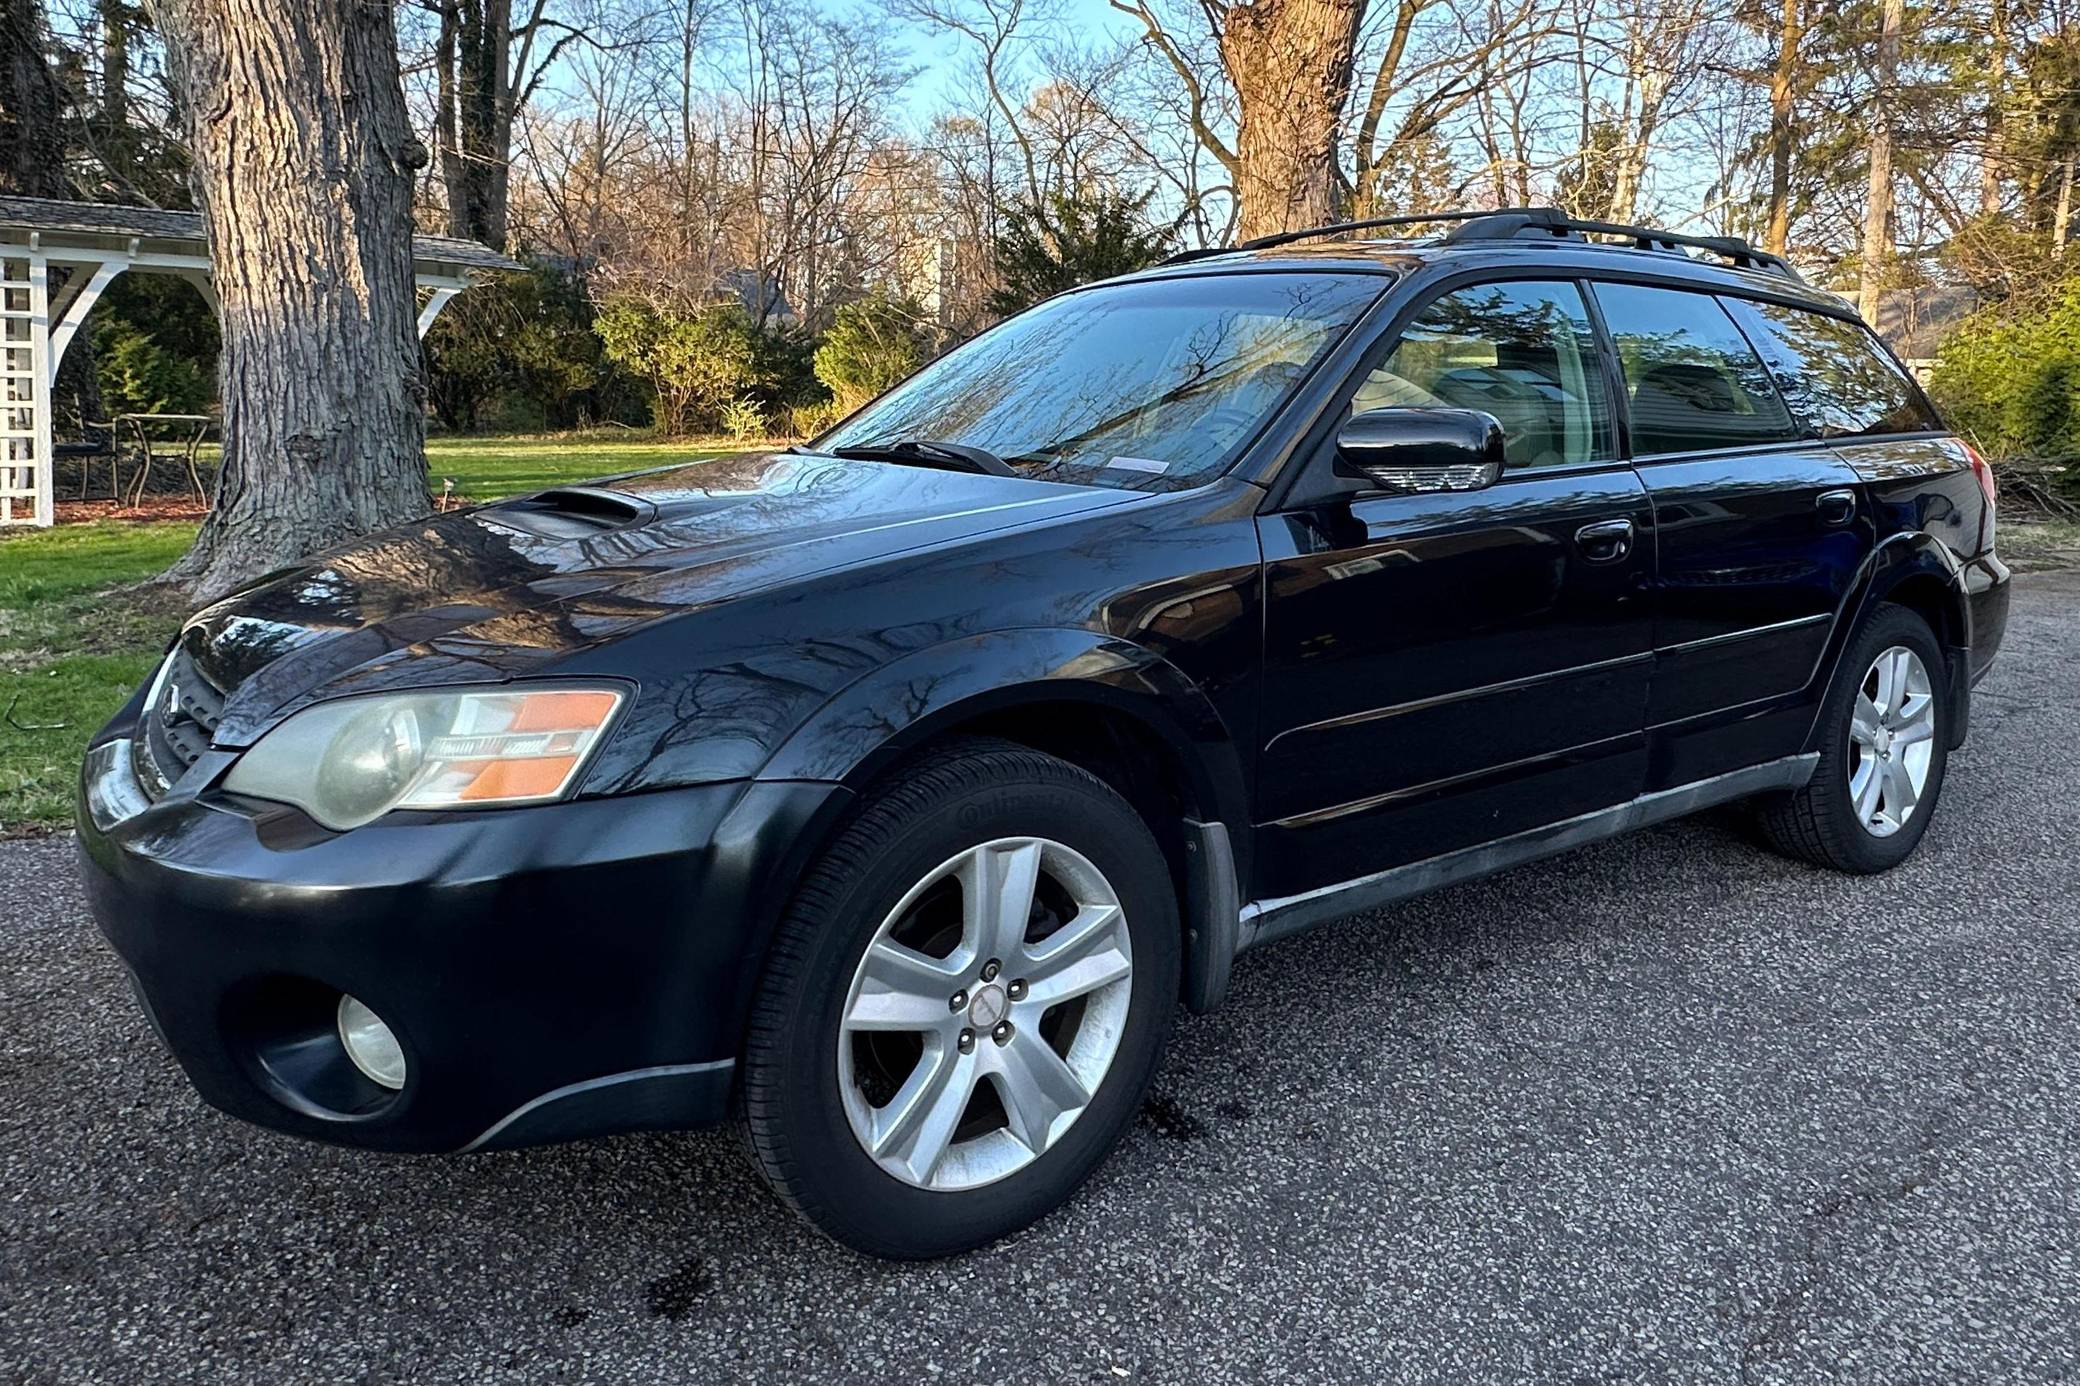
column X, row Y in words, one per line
column 1513, row 223
column 1518, row 221
column 1337, row 228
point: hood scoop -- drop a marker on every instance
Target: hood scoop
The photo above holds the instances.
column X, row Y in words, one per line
column 573, row 512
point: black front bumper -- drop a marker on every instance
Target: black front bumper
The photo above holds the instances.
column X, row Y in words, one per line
column 552, row 972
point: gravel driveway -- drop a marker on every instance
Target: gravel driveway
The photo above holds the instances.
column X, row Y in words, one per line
column 1665, row 1109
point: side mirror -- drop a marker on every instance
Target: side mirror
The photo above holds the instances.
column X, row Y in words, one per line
column 1417, row 450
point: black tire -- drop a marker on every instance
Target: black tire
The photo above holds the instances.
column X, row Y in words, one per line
column 953, row 798
column 1819, row 824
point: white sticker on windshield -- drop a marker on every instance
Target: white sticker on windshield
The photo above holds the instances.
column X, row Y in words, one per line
column 1139, row 464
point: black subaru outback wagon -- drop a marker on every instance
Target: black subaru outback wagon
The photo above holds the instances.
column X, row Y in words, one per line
column 893, row 791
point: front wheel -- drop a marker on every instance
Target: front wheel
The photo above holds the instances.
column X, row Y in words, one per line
column 1883, row 752
column 965, row 1004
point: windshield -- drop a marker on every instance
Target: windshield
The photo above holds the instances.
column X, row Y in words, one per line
column 1154, row 385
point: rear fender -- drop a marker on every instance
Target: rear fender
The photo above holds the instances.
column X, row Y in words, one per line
column 1925, row 561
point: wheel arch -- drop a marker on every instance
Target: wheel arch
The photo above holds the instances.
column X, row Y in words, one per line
column 1116, row 709
column 1919, row 572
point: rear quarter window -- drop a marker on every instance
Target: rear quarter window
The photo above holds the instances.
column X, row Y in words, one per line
column 1832, row 373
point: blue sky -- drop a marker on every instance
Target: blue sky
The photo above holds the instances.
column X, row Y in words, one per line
column 944, row 59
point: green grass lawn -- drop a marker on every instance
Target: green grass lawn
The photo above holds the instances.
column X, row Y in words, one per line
column 74, row 643
column 487, row 468
column 70, row 652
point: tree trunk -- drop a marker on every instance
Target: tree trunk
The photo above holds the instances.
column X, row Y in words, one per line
column 2063, row 216
column 303, row 162
column 447, row 117
column 32, row 162
column 117, row 148
column 1638, row 145
column 484, row 101
column 1783, row 91
column 1997, row 79
column 1290, row 63
column 1877, row 215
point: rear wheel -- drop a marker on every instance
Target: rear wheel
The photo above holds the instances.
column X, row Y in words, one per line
column 1884, row 750
column 965, row 1004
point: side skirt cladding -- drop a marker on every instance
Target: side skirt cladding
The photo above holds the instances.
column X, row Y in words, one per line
column 1263, row 921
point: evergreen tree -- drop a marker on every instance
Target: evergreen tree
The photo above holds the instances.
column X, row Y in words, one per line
column 1063, row 242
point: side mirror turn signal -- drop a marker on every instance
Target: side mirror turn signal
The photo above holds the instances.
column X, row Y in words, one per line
column 1417, row 451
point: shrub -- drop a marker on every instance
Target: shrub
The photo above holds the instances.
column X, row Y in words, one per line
column 138, row 376
column 873, row 343
column 1050, row 247
column 2009, row 376
column 744, row 418
column 783, row 366
column 695, row 362
column 519, row 352
column 808, row 420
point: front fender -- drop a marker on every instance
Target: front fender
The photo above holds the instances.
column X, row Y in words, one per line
column 880, row 718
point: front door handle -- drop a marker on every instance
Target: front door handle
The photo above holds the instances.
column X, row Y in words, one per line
column 1606, row 541
column 1836, row 508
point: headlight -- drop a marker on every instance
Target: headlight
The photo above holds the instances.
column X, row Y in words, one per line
column 350, row 762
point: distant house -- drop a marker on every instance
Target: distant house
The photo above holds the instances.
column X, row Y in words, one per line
column 755, row 290
column 1915, row 321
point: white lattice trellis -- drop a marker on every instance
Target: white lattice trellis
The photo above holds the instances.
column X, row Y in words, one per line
column 55, row 260
column 25, row 391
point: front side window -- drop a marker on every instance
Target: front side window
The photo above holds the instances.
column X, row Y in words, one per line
column 1692, row 380
column 1155, row 385
column 1835, row 377
column 1523, row 351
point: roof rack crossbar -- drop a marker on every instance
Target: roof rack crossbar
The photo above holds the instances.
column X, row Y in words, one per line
column 1512, row 224
column 1338, row 228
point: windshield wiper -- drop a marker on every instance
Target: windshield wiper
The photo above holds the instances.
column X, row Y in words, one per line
column 959, row 457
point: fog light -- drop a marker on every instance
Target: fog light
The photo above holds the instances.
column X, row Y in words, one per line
column 371, row 1044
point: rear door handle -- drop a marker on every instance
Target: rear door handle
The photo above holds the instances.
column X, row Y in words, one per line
column 1836, row 508
column 1606, row 541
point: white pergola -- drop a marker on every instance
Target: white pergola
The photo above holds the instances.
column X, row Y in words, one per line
column 93, row 243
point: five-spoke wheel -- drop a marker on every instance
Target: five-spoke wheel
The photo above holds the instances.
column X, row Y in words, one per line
column 1892, row 736
column 985, row 1013
column 965, row 1002
column 1882, row 736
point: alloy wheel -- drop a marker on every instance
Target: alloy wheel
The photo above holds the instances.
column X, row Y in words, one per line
column 984, row 1014
column 1892, row 730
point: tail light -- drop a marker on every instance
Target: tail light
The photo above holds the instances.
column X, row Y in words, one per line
column 1984, row 472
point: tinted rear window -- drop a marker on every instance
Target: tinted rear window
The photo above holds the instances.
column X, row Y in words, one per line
column 1693, row 382
column 1834, row 375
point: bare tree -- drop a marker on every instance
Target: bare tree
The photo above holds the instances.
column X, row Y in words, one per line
column 1783, row 95
column 1997, row 42
column 304, row 160
column 995, row 28
column 1479, row 59
column 1877, row 217
column 1665, row 47
column 490, row 59
column 32, row 147
column 1289, row 65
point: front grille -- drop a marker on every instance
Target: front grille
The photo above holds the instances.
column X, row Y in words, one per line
column 178, row 725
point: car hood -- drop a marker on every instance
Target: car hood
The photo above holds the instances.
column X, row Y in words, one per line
column 496, row 592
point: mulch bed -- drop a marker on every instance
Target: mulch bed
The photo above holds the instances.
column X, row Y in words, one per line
column 172, row 506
